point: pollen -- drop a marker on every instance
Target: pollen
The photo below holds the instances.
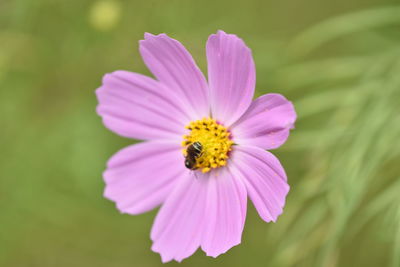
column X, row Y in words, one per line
column 215, row 140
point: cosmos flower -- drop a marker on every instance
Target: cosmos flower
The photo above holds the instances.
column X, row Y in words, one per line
column 205, row 144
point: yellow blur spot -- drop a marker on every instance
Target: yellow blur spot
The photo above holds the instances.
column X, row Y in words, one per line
column 104, row 14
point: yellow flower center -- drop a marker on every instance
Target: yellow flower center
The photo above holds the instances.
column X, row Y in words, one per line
column 215, row 144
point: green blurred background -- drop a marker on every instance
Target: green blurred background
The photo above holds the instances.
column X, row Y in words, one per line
column 338, row 61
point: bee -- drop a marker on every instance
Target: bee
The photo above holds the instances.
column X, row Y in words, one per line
column 193, row 152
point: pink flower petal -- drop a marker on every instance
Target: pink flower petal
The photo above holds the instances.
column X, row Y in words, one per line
column 266, row 123
column 173, row 66
column 264, row 177
column 136, row 106
column 178, row 227
column 226, row 213
column 139, row 177
column 204, row 209
column 231, row 76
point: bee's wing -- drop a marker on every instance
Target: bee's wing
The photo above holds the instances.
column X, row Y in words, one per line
column 193, row 174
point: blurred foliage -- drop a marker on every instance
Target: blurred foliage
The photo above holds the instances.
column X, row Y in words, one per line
column 339, row 62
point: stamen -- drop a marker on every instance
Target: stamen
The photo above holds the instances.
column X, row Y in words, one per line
column 215, row 141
